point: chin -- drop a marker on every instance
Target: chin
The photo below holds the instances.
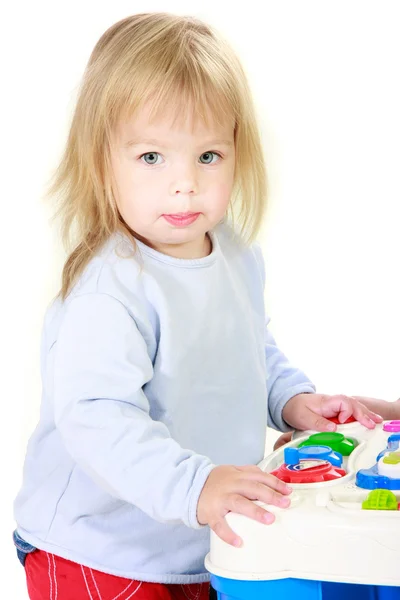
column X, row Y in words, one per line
column 183, row 234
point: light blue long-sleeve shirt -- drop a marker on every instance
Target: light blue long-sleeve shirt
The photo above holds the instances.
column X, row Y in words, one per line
column 155, row 369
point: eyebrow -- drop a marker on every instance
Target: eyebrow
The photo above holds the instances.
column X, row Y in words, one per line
column 152, row 142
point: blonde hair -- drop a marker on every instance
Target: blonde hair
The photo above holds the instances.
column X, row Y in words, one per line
column 155, row 57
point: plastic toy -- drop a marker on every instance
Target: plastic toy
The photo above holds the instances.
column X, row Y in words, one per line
column 336, row 441
column 340, row 538
column 310, row 464
column 380, row 500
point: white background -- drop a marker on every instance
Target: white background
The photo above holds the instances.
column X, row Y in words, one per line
column 325, row 76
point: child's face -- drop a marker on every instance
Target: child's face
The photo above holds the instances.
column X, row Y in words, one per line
column 174, row 181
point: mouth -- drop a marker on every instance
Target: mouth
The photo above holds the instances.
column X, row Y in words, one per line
column 182, row 219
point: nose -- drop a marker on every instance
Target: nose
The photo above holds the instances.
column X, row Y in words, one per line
column 184, row 182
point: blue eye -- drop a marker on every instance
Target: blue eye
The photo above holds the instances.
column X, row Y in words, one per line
column 151, row 158
column 207, row 158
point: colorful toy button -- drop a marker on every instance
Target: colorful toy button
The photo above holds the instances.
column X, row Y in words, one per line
column 393, row 426
column 337, row 422
column 294, row 455
column 372, row 479
column 308, row 471
column 380, row 500
column 389, row 465
column 393, row 458
column 336, row 441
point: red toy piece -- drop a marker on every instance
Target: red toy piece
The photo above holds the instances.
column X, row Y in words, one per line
column 308, row 471
column 337, row 422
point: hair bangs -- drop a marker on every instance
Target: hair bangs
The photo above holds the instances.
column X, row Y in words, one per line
column 186, row 92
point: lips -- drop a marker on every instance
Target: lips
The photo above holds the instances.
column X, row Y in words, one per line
column 182, row 219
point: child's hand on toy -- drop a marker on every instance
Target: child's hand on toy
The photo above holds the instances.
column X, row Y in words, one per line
column 312, row 411
column 283, row 439
column 232, row 489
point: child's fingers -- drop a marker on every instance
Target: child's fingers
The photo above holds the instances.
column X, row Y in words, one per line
column 242, row 503
column 359, row 406
column 350, row 406
column 255, row 490
column 243, row 506
column 376, row 418
column 365, row 420
column 315, row 421
column 365, row 416
column 223, row 531
column 257, row 475
column 343, row 406
column 276, row 484
column 347, row 407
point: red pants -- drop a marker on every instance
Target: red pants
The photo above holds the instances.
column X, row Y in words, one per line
column 50, row 577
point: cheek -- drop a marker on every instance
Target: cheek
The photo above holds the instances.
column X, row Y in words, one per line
column 221, row 187
column 138, row 194
column 219, row 196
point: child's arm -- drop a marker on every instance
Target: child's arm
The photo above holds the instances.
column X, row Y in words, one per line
column 101, row 364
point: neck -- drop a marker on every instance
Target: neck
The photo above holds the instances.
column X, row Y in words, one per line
column 189, row 250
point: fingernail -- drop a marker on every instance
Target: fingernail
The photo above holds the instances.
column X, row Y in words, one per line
column 268, row 518
column 330, row 427
column 284, row 501
column 237, row 542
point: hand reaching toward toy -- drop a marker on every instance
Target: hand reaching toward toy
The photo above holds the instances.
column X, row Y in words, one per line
column 388, row 410
column 313, row 411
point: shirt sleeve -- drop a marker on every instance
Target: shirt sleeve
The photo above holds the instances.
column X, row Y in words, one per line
column 283, row 380
column 101, row 364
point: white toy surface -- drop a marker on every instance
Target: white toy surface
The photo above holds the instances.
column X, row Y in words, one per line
column 326, row 534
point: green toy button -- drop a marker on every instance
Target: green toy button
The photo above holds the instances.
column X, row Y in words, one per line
column 380, row 500
column 335, row 441
column 393, row 458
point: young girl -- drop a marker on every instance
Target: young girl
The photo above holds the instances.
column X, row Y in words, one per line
column 159, row 372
